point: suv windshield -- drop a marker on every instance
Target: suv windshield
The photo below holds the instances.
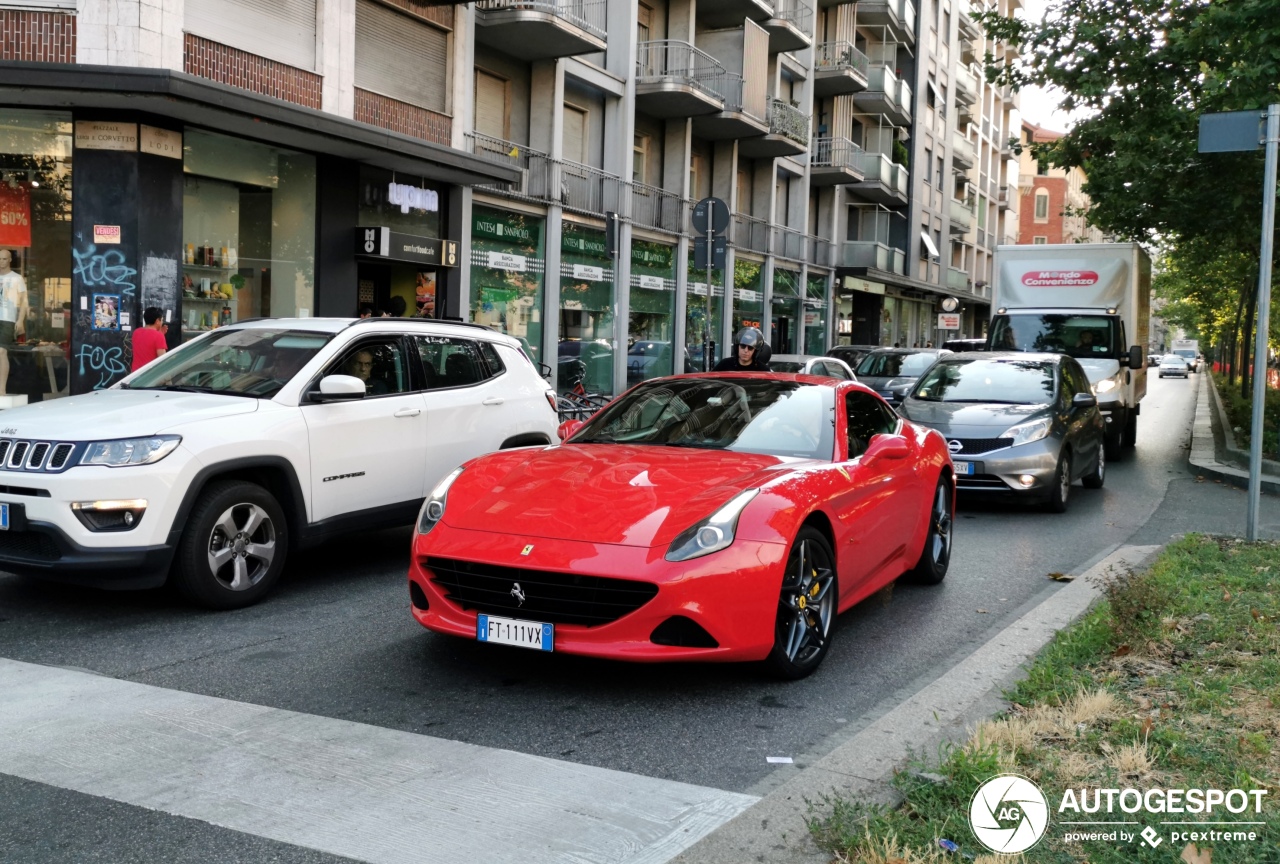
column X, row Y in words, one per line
column 778, row 418
column 1081, row 336
column 1019, row 382
column 254, row 363
column 894, row 365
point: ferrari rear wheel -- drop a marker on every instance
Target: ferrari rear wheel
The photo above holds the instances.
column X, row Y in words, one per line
column 936, row 555
column 806, row 607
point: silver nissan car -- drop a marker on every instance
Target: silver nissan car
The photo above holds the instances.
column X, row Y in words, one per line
column 1017, row 424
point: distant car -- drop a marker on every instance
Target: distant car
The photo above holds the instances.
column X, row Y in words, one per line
column 1190, row 355
column 649, row 359
column 1173, row 366
column 851, row 354
column 1153, row 360
column 1017, row 424
column 711, row 517
column 587, row 362
column 809, row 364
column 891, row 372
column 959, row 345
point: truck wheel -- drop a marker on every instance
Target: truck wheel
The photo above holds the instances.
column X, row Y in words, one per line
column 1130, row 437
column 233, row 548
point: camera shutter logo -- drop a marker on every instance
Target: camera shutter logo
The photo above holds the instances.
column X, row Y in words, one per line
column 1009, row 814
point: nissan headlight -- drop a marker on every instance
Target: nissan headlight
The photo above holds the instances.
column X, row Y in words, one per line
column 1106, row 385
column 130, row 451
column 1025, row 433
column 433, row 508
column 713, row 533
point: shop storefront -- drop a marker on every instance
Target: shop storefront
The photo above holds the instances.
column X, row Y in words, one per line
column 815, row 314
column 508, row 261
column 704, row 318
column 906, row 322
column 651, row 323
column 748, row 294
column 787, row 312
column 586, row 311
column 411, row 207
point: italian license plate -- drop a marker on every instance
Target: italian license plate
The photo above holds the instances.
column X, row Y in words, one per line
column 4, row 517
column 963, row 467
column 512, row 631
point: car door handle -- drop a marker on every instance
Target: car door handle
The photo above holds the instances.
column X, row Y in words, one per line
column 493, row 400
column 408, row 412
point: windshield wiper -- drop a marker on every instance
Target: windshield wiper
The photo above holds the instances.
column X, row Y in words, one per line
column 991, row 401
column 595, row 440
column 176, row 388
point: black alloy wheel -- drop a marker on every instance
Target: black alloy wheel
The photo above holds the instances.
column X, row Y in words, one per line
column 1061, row 490
column 935, row 558
column 806, row 607
column 1095, row 478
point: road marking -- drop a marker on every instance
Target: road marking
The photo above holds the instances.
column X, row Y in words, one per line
column 344, row 788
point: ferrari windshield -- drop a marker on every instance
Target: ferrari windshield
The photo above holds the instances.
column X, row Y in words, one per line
column 778, row 418
column 1020, row 382
column 252, row 362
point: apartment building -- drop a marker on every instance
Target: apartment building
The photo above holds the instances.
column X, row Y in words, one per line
column 531, row 165
column 1054, row 205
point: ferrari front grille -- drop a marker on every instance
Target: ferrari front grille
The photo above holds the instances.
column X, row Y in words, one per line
column 539, row 595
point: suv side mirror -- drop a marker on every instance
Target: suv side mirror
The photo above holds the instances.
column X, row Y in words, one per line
column 1135, row 358
column 339, row 388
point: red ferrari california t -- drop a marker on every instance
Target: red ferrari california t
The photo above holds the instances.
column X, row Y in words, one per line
column 697, row 517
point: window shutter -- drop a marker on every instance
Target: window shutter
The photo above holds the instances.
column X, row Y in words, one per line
column 400, row 57
column 575, row 135
column 280, row 30
column 491, row 105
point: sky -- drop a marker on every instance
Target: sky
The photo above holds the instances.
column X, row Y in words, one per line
column 1037, row 105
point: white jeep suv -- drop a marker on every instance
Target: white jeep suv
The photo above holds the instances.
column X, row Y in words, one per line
column 214, row 460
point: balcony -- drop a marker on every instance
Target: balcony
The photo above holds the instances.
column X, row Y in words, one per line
column 964, row 113
column 1005, row 197
column 790, row 27
column 966, row 85
column 881, row 95
column 675, row 79
column 872, row 254
column 834, row 162
column 750, row 233
column 789, row 243
column 788, row 133
column 838, row 69
column 541, row 29
column 882, row 180
column 957, row 280
column 963, row 153
column 820, row 249
column 967, row 27
column 1008, row 96
column 734, row 121
column 961, row 213
column 658, row 209
column 585, row 189
column 729, row 13
column 899, row 16
column 535, row 167
column 969, row 50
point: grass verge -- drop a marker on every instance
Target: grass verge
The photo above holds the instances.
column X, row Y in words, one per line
column 1171, row 682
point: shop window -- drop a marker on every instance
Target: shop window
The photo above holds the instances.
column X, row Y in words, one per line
column 585, row 352
column 787, row 311
column 815, row 315
column 248, row 231
column 651, row 349
column 704, row 317
column 748, row 295
column 507, row 264
column 35, row 251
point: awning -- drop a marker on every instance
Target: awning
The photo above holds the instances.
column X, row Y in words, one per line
column 928, row 244
column 200, row 102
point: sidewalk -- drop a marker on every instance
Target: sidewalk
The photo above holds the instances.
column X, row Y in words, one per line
column 1214, row 451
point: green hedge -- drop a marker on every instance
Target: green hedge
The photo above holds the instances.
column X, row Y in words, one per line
column 1240, row 413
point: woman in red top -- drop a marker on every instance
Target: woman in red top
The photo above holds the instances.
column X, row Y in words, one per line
column 149, row 342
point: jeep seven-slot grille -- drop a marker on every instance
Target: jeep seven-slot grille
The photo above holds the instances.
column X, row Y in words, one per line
column 554, row 598
column 973, row 446
column 19, row 455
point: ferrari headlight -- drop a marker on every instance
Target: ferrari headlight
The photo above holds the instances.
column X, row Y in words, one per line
column 1106, row 385
column 1025, row 433
column 433, row 508
column 130, row 451
column 713, row 533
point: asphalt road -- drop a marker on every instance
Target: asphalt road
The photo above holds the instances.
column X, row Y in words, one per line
column 337, row 641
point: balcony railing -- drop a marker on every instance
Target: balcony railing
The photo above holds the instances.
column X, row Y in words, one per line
column 669, row 60
column 656, row 208
column 820, row 251
column 957, row 280
column 961, row 213
column 966, row 84
column 835, row 153
column 535, row 166
column 875, row 167
column 729, row 87
column 839, row 56
column 789, row 243
column 589, row 189
column 750, row 233
column 796, row 12
column 871, row 253
column 962, row 151
column 1005, row 198
column 789, row 121
column 586, row 14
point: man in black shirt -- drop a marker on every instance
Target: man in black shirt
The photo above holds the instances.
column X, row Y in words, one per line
column 752, row 353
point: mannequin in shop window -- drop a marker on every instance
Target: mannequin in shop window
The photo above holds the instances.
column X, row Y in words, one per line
column 13, row 312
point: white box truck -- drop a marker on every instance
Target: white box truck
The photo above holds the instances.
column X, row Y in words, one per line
column 1089, row 300
column 1189, row 350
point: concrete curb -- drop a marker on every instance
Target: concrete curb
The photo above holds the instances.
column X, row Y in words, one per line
column 773, row 830
column 1207, row 454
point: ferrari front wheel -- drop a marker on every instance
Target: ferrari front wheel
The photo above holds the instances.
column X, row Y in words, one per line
column 806, row 607
column 935, row 557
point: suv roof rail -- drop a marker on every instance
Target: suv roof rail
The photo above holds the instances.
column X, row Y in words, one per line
column 456, row 321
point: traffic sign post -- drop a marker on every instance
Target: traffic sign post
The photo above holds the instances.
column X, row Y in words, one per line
column 710, row 218
column 1238, row 131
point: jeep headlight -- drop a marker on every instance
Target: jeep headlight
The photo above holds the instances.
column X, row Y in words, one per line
column 433, row 508
column 130, row 451
column 1106, row 385
column 713, row 533
column 1025, row 433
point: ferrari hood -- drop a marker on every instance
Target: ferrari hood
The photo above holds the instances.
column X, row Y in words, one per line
column 106, row 414
column 602, row 493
